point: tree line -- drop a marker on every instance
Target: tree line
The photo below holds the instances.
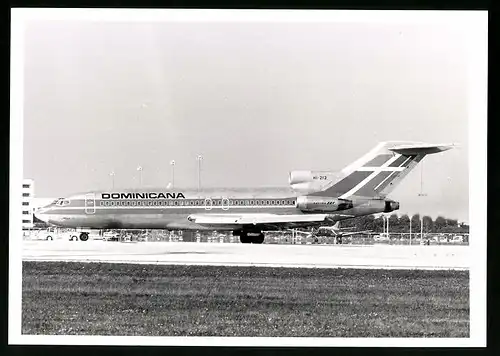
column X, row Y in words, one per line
column 402, row 224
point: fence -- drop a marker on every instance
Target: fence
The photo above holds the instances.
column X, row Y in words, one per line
column 272, row 237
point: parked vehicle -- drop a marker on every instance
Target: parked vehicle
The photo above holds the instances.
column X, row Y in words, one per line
column 111, row 236
column 54, row 234
column 381, row 237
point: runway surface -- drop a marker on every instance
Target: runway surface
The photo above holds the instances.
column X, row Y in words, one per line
column 235, row 254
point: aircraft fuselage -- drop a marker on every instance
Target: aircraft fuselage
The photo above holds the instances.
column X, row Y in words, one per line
column 156, row 209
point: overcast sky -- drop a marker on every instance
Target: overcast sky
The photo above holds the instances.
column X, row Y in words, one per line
column 255, row 99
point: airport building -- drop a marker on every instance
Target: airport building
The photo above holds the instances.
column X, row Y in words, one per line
column 30, row 203
column 27, row 203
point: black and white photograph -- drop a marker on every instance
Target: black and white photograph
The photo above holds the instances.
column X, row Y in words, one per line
column 248, row 178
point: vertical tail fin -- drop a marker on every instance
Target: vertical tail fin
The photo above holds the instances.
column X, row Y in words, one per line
column 379, row 171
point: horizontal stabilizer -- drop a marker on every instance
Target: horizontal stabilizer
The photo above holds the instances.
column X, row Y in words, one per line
column 418, row 149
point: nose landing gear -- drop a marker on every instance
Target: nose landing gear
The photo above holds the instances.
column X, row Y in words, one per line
column 84, row 236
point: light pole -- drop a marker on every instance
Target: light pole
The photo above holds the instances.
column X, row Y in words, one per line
column 172, row 163
column 422, row 194
column 411, row 217
column 387, row 226
column 139, row 168
column 199, row 158
column 112, row 175
column 421, row 229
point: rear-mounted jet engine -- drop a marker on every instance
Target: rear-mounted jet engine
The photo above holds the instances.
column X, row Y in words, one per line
column 322, row 204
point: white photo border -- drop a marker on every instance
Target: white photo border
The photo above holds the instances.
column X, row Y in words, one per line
column 475, row 23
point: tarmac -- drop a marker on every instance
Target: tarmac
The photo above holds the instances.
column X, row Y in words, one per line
column 237, row 254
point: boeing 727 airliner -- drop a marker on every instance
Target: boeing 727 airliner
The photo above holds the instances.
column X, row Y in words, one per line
column 313, row 199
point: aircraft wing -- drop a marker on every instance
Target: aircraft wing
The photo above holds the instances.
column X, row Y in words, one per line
column 263, row 221
column 254, row 219
column 355, row 233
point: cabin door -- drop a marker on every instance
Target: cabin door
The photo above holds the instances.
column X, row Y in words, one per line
column 90, row 203
column 225, row 204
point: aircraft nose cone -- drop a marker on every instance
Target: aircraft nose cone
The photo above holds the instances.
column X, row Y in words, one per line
column 42, row 214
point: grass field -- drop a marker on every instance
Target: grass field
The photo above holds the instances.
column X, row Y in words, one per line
column 66, row 298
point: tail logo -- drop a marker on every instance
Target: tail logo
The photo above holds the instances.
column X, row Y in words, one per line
column 380, row 175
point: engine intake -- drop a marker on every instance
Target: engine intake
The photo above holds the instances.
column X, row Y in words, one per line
column 323, row 204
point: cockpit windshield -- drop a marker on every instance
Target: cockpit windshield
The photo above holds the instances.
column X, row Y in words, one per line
column 61, row 202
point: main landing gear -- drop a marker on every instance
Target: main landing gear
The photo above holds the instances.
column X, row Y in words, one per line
column 251, row 237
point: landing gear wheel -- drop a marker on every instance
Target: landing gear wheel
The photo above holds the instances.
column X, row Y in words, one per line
column 49, row 238
column 84, row 236
column 339, row 240
column 245, row 239
column 258, row 239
